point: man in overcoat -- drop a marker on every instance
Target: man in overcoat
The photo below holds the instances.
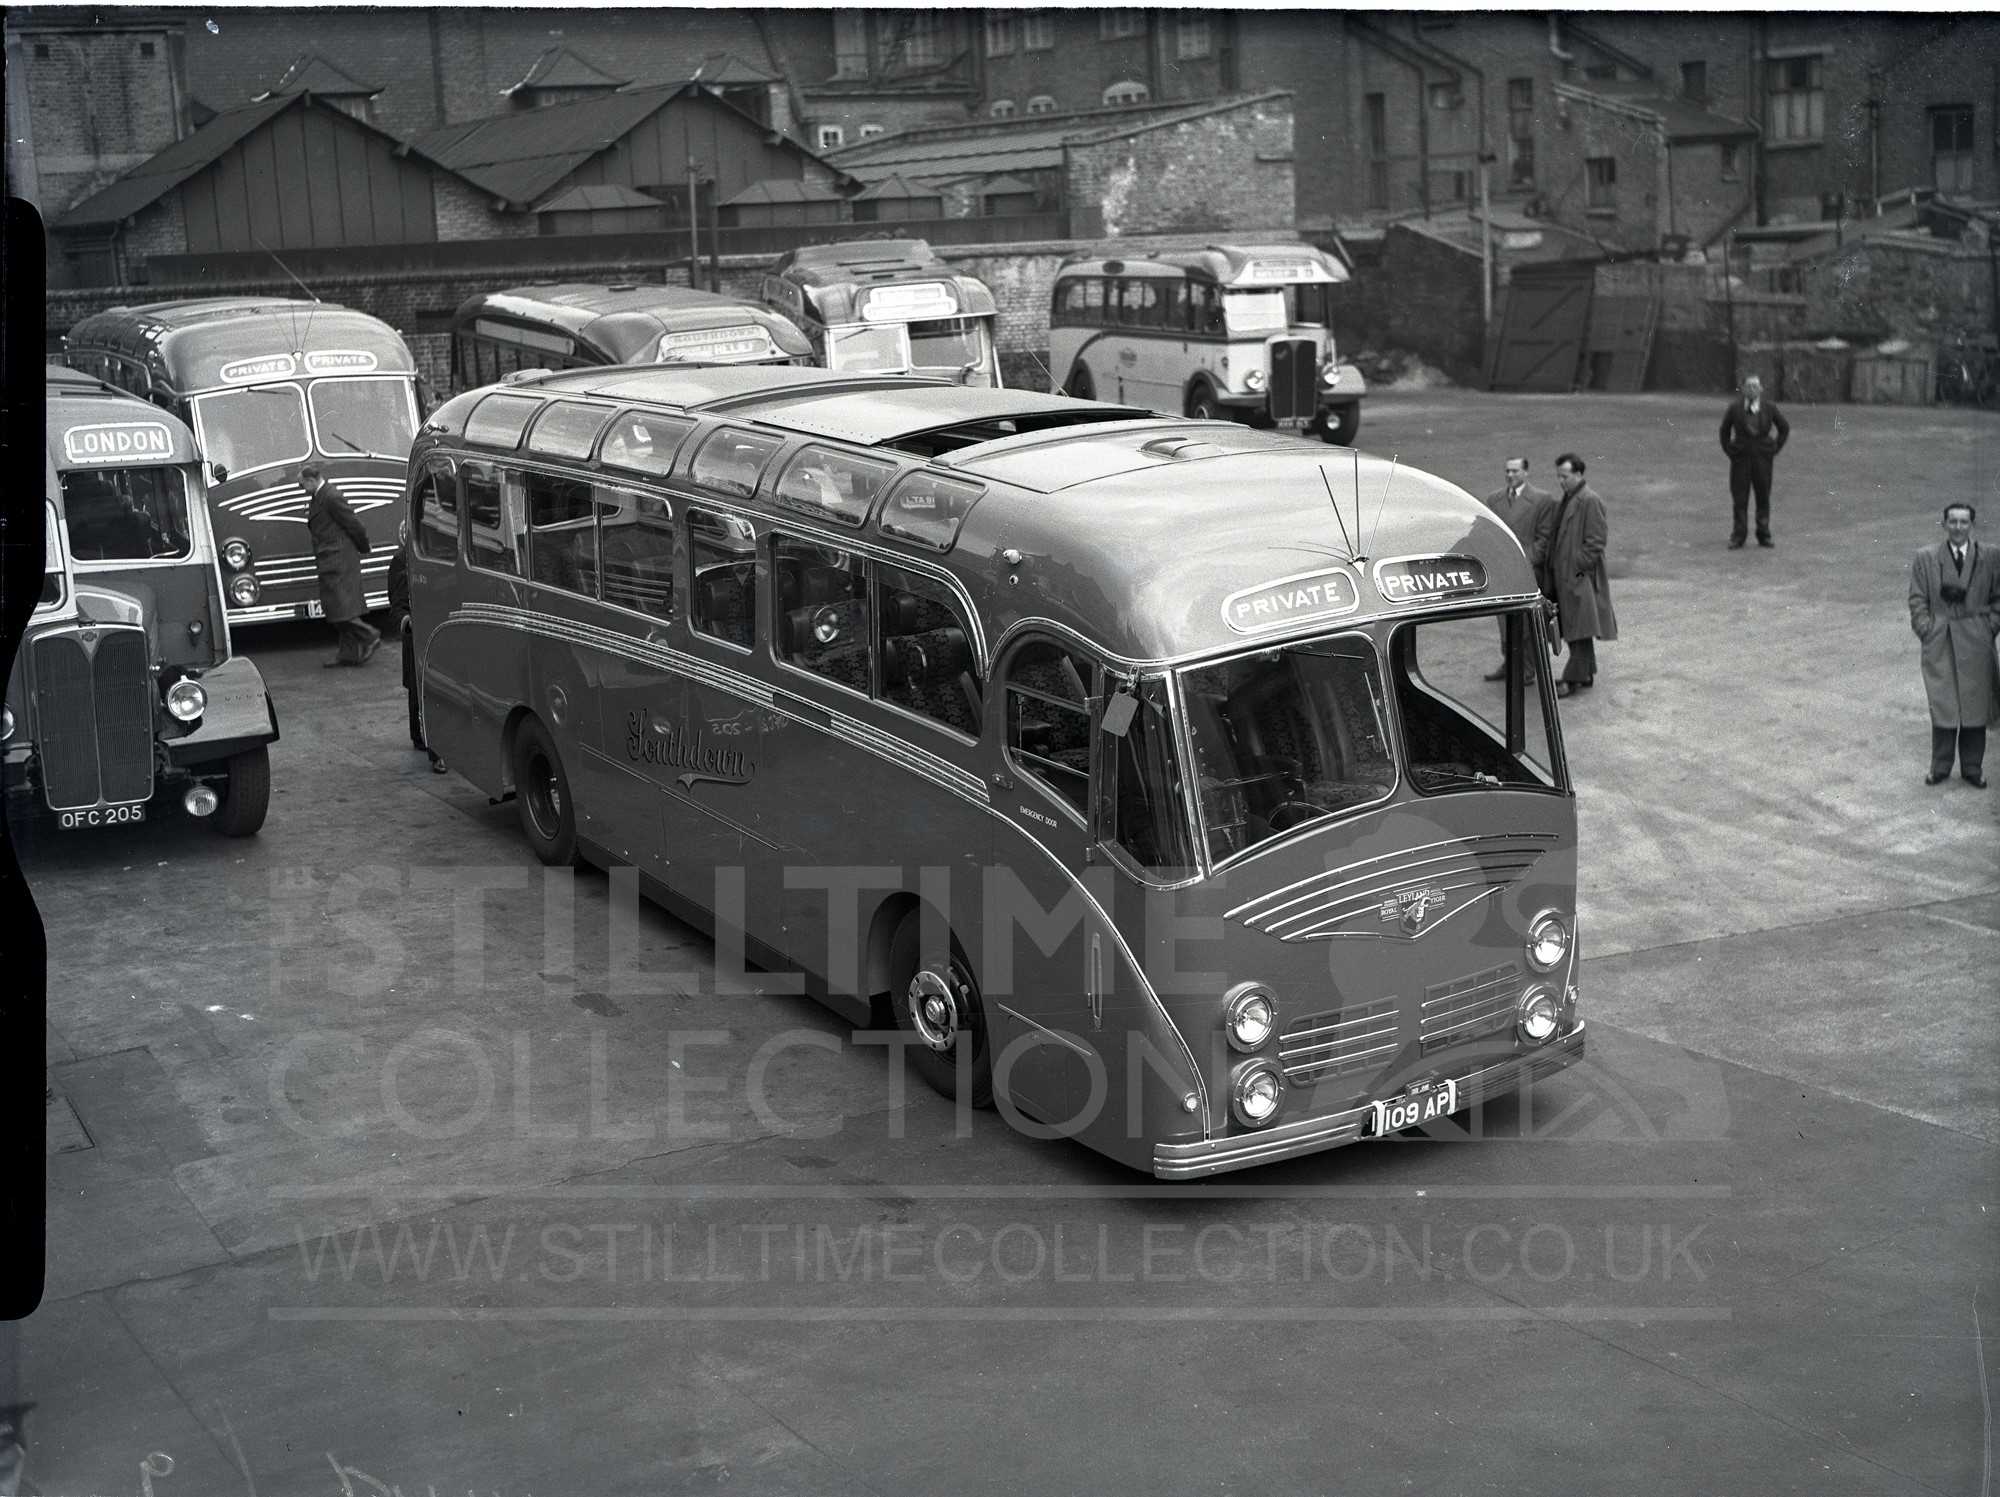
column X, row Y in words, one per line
column 1754, row 432
column 339, row 542
column 1955, row 613
column 1521, row 506
column 1574, row 532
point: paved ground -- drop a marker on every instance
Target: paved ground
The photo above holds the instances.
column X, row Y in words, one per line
column 390, row 1191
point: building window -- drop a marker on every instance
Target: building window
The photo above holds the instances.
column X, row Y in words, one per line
column 850, row 44
column 923, row 44
column 869, row 131
column 1128, row 92
column 1447, row 95
column 145, row 49
column 1730, row 163
column 1603, row 190
column 1951, row 148
column 1376, row 127
column 1038, row 31
column 1794, row 99
column 1191, row 36
column 41, row 51
column 1041, row 104
column 1602, row 72
column 831, row 137
column 999, row 34
column 1694, row 81
column 1113, row 25
column 1520, row 132
column 1001, row 109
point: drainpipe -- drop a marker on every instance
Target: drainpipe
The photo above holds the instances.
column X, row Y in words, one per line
column 1758, row 48
column 1556, row 43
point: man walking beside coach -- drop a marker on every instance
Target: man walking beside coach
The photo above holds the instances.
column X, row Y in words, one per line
column 1575, row 531
column 339, row 541
column 1754, row 432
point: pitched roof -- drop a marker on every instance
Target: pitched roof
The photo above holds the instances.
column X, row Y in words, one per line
column 897, row 187
column 1683, row 120
column 593, row 195
column 312, row 74
column 559, row 67
column 159, row 175
column 778, row 190
column 723, row 68
column 1001, row 186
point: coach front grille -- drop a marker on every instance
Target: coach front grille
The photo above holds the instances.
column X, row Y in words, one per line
column 94, row 716
column 1317, row 1046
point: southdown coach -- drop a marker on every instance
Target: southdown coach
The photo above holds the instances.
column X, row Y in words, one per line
column 267, row 383
column 888, row 306
column 124, row 689
column 1139, row 771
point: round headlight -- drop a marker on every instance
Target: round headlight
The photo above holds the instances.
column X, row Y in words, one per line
column 236, row 554
column 186, row 700
column 1548, row 941
column 6, row 723
column 1254, row 1092
column 1330, row 376
column 1249, row 1014
column 243, row 590
column 1538, row 1014
column 1254, row 380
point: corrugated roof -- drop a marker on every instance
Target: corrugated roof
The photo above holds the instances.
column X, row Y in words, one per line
column 1683, row 119
column 151, row 180
column 559, row 67
column 312, row 74
column 594, row 195
column 778, row 190
column 1001, row 186
column 727, row 68
column 897, row 188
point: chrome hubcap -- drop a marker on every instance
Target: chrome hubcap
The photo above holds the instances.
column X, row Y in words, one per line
column 935, row 1011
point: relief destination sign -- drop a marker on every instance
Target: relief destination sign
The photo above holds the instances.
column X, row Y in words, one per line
column 1426, row 579
column 1291, row 600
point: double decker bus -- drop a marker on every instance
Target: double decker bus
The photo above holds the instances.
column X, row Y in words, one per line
column 888, row 306
column 124, row 693
column 267, row 383
column 1242, row 332
column 577, row 326
column 1140, row 772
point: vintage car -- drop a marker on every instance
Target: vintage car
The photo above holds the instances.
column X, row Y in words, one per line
column 124, row 696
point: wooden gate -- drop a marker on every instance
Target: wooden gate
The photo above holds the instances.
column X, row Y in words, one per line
column 1542, row 332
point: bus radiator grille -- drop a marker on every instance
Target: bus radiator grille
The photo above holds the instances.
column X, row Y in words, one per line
column 94, row 717
column 1469, row 1007
column 1331, row 1044
column 123, row 687
column 1294, row 394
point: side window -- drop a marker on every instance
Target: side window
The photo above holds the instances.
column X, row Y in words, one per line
column 822, row 611
column 833, row 485
column 723, row 550
column 1114, row 303
column 730, row 461
column 1142, row 303
column 1090, row 309
column 437, row 516
column 1144, row 811
column 926, row 662
column 644, row 442
column 492, row 520
column 562, row 522
column 635, row 538
column 1048, row 720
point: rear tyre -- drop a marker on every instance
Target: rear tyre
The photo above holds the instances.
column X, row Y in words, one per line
column 541, row 790
column 936, row 1000
column 246, row 799
column 1341, row 424
column 1081, row 386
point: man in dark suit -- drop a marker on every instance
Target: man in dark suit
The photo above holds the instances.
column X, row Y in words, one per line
column 339, row 542
column 1754, row 432
column 1577, row 531
column 1955, row 614
column 1521, row 506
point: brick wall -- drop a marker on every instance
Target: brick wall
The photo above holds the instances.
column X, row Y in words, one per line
column 464, row 212
column 1901, row 289
column 1423, row 297
column 1225, row 170
column 894, row 114
column 98, row 105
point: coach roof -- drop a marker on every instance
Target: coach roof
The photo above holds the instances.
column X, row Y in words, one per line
column 89, row 424
column 628, row 320
column 194, row 339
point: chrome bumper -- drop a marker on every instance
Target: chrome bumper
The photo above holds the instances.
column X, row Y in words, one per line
column 1241, row 1150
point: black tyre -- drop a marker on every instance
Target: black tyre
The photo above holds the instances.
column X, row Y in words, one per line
column 246, row 799
column 1081, row 385
column 1203, row 406
column 541, row 789
column 936, row 1000
column 1341, row 425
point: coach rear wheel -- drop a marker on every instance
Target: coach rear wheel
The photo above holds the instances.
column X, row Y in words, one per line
column 937, row 1001
column 548, row 817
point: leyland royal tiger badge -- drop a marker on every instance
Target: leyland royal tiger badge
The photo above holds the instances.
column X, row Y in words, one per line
column 1409, row 908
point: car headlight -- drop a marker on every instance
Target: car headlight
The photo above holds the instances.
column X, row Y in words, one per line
column 1538, row 1014
column 1548, row 941
column 1255, row 1089
column 243, row 590
column 236, row 554
column 1254, row 380
column 6, row 723
column 1249, row 1014
column 186, row 700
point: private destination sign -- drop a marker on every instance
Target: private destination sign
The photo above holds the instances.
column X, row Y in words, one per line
column 1290, row 600
column 1425, row 579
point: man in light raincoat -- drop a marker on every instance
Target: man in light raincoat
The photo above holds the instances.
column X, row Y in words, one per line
column 1955, row 613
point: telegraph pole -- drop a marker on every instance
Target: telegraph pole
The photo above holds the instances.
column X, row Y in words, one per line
column 694, row 223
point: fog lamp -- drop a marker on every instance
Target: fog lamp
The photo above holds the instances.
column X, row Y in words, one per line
column 1538, row 1015
column 1254, row 380
column 1249, row 1014
column 200, row 800
column 1254, row 1091
column 243, row 590
column 236, row 554
column 186, row 700
column 1548, row 940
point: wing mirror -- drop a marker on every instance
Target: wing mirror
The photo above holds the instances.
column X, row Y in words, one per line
column 218, row 472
